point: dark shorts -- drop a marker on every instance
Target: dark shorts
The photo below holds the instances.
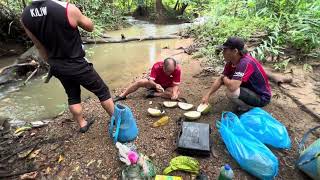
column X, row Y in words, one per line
column 251, row 98
column 89, row 79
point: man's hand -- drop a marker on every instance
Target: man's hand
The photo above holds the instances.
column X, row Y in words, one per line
column 159, row 88
column 174, row 97
column 205, row 99
column 231, row 84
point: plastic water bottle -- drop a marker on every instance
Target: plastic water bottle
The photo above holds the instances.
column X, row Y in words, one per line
column 226, row 173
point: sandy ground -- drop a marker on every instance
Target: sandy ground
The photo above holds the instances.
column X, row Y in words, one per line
column 93, row 155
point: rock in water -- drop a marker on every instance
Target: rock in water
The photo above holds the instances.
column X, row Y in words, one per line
column 36, row 124
column 17, row 123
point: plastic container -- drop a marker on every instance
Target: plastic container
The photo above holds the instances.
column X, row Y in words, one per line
column 132, row 173
column 123, row 127
column 226, row 173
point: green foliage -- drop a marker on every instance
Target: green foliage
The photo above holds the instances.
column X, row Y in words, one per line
column 269, row 47
column 281, row 66
column 104, row 14
column 286, row 23
column 307, row 67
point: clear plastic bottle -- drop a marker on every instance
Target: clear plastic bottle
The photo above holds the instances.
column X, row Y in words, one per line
column 226, row 173
column 132, row 172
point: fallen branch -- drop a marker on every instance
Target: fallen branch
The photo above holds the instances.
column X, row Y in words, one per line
column 29, row 146
column 31, row 75
column 278, row 79
column 32, row 63
column 105, row 40
column 299, row 103
column 7, row 175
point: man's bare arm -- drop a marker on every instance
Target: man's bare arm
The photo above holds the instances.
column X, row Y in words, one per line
column 76, row 18
column 231, row 84
column 214, row 87
column 37, row 43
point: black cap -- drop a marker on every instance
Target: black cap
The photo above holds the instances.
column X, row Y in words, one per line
column 233, row 43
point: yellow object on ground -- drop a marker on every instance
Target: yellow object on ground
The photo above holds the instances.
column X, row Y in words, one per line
column 161, row 177
column 19, row 131
column 162, row 121
column 183, row 163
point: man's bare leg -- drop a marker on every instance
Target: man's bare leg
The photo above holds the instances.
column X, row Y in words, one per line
column 135, row 86
column 108, row 105
column 234, row 97
column 76, row 110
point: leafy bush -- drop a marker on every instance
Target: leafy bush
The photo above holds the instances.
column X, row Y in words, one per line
column 287, row 23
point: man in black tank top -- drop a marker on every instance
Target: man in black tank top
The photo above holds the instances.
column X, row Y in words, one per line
column 53, row 27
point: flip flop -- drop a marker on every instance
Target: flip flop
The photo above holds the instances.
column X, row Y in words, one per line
column 150, row 93
column 119, row 98
column 86, row 127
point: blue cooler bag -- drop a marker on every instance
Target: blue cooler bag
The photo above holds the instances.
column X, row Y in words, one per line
column 309, row 159
column 123, row 127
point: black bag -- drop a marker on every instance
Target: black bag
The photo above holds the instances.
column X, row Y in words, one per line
column 194, row 139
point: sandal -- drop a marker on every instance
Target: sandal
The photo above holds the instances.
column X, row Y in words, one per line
column 119, row 98
column 86, row 127
column 151, row 93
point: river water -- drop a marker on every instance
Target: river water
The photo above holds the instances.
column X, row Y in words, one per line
column 117, row 64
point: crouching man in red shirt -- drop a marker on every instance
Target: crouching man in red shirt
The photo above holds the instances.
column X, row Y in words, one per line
column 163, row 82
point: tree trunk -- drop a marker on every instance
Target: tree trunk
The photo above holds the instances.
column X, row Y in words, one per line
column 24, row 3
column 10, row 26
column 176, row 6
column 160, row 10
column 183, row 8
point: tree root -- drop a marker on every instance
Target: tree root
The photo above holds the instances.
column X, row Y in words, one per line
column 300, row 104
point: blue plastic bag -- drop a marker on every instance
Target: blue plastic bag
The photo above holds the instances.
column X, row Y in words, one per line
column 251, row 154
column 125, row 128
column 265, row 128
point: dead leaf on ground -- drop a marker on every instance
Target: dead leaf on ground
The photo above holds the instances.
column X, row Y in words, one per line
column 31, row 175
column 91, row 162
column 34, row 154
column 48, row 170
column 61, row 158
column 25, row 153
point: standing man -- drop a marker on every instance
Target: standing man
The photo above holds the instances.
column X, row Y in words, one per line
column 245, row 80
column 163, row 82
column 53, row 27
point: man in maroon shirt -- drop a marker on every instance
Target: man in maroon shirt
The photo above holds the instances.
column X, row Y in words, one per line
column 163, row 82
column 244, row 77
